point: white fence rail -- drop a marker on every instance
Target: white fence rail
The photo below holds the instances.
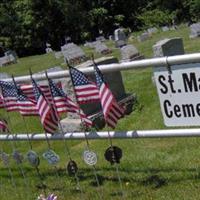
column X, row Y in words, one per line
column 163, row 61
column 105, row 134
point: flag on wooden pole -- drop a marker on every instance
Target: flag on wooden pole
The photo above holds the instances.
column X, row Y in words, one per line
column 48, row 117
column 112, row 111
column 27, row 106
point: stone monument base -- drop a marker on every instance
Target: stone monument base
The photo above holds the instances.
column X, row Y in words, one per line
column 71, row 125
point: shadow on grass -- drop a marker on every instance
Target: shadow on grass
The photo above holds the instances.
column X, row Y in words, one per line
column 153, row 177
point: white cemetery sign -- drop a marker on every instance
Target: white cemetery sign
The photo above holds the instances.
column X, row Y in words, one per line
column 179, row 94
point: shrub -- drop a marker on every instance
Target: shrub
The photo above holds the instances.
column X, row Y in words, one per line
column 156, row 17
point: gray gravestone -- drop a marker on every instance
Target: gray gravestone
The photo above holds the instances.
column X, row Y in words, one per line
column 58, row 54
column 152, row 30
column 165, row 28
column 102, row 48
column 130, row 53
column 195, row 30
column 120, row 37
column 115, row 82
column 168, row 47
column 7, row 59
column 100, row 38
column 48, row 48
column 73, row 53
column 144, row 36
column 111, row 37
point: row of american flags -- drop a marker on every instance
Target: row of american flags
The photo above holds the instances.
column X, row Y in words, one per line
column 49, row 101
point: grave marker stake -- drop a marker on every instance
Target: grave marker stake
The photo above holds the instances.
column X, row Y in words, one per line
column 49, row 154
column 36, row 166
column 67, row 149
column 113, row 153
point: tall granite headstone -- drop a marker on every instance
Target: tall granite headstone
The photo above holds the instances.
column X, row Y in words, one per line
column 120, row 37
column 168, row 47
column 115, row 82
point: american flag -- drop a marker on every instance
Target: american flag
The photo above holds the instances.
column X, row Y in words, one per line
column 9, row 94
column 27, row 90
column 3, row 126
column 48, row 117
column 27, row 106
column 65, row 104
column 111, row 110
column 86, row 91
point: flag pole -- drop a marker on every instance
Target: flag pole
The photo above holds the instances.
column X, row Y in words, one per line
column 67, row 149
column 29, row 141
column 36, row 162
column 48, row 143
column 84, row 126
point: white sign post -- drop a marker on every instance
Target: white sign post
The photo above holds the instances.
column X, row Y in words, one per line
column 179, row 94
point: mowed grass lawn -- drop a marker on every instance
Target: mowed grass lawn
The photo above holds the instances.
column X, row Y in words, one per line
column 150, row 168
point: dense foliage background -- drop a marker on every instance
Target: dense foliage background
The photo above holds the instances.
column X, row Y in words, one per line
column 26, row 25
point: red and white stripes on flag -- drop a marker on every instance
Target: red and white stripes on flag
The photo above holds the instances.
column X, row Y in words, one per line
column 112, row 111
column 27, row 106
column 3, row 126
column 27, row 90
column 48, row 116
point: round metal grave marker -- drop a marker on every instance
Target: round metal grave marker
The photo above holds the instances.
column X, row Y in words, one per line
column 5, row 158
column 72, row 167
column 51, row 157
column 17, row 156
column 90, row 157
column 113, row 154
column 33, row 158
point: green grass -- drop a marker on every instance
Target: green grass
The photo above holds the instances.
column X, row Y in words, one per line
column 150, row 168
